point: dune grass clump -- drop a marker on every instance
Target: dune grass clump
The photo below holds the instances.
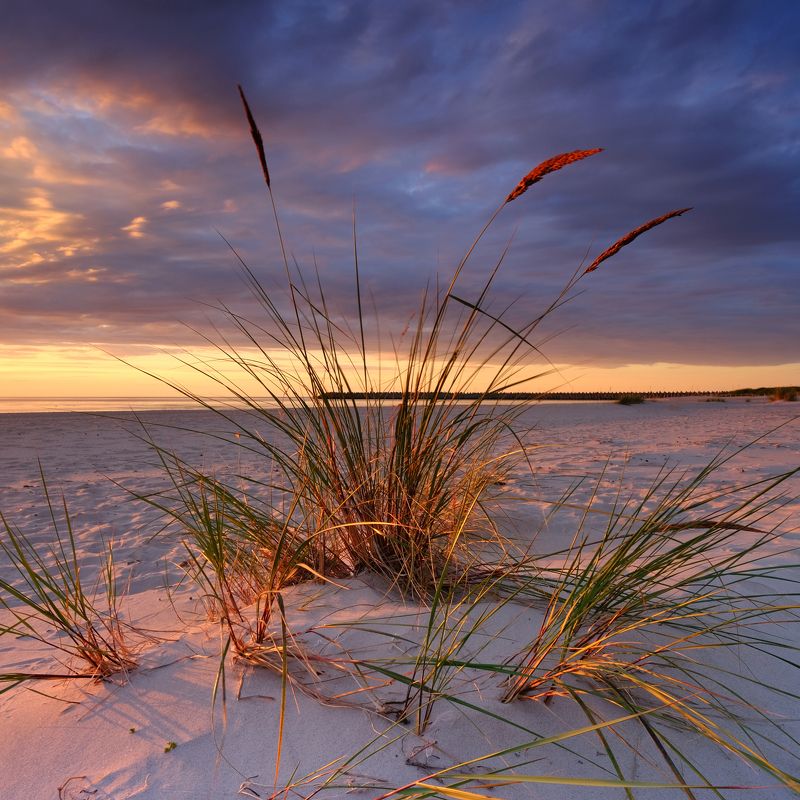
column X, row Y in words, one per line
column 630, row 400
column 406, row 489
column 785, row 393
column 240, row 556
column 47, row 589
column 403, row 489
column 639, row 614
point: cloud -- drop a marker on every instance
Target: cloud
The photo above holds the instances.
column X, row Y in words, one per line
column 38, row 232
column 124, row 151
column 135, row 228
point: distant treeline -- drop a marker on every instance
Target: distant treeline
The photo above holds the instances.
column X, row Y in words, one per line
column 764, row 391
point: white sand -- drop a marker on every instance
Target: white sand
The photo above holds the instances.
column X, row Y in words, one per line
column 77, row 735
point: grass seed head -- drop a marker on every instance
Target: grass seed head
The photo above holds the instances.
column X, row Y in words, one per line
column 256, row 134
column 629, row 237
column 546, row 167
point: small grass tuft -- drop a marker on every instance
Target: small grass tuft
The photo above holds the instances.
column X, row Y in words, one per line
column 630, row 400
column 785, row 393
column 50, row 591
column 638, row 615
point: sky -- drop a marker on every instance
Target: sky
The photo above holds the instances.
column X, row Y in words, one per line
column 125, row 158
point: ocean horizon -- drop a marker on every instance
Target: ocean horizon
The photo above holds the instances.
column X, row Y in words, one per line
column 44, row 405
column 100, row 404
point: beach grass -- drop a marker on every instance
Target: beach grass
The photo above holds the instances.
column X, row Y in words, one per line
column 787, row 393
column 631, row 400
column 47, row 590
column 402, row 489
column 639, row 614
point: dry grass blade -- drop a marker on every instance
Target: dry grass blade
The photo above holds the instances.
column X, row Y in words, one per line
column 629, row 237
column 550, row 165
column 256, row 134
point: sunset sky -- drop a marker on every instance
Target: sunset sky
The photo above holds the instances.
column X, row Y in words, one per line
column 124, row 154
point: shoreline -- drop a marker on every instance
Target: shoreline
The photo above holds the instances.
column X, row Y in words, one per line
column 68, row 405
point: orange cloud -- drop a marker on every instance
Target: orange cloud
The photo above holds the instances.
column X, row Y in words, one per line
column 143, row 112
column 135, row 228
column 20, row 148
column 39, row 232
column 7, row 112
column 176, row 121
column 438, row 167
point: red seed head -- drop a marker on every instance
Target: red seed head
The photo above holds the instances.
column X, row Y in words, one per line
column 629, row 237
column 546, row 167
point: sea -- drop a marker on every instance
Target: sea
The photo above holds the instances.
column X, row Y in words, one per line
column 50, row 405
column 27, row 405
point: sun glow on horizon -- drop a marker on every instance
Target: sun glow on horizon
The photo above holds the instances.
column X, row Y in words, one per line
column 84, row 372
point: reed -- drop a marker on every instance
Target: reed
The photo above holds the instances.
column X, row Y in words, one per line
column 550, row 165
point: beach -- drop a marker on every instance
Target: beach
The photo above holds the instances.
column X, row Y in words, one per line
column 162, row 732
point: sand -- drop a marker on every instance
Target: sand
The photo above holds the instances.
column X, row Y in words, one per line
column 80, row 739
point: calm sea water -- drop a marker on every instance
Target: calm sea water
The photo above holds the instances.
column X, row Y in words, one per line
column 17, row 405
column 27, row 405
